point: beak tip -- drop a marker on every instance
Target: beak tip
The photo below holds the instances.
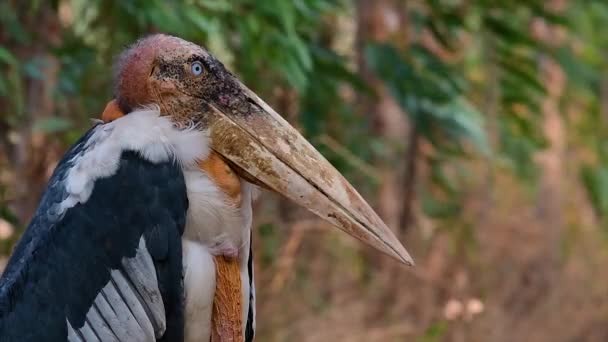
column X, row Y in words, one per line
column 394, row 248
column 404, row 257
column 409, row 261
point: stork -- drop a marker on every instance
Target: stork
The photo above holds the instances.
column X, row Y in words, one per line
column 127, row 242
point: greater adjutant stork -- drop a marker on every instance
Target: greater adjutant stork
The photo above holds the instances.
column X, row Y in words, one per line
column 137, row 216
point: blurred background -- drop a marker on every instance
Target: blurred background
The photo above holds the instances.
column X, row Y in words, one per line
column 476, row 128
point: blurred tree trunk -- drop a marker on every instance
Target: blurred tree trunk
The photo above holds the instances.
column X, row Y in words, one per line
column 384, row 21
column 34, row 154
column 491, row 108
column 539, row 275
column 551, row 161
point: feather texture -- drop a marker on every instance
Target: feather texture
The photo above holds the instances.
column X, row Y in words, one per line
column 102, row 257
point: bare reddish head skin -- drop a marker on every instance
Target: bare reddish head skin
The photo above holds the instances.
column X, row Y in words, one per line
column 135, row 67
column 152, row 70
column 157, row 70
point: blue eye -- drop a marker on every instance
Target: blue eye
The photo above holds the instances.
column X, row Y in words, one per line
column 196, row 68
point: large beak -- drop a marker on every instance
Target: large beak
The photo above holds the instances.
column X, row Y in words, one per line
column 267, row 150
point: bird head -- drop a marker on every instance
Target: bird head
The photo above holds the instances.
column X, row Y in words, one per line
column 192, row 87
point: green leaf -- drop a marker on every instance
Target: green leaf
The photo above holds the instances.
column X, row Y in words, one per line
column 505, row 31
column 435, row 332
column 33, row 68
column 595, row 180
column 7, row 57
column 206, row 24
column 436, row 208
column 52, row 125
column 215, row 5
column 468, row 123
column 527, row 78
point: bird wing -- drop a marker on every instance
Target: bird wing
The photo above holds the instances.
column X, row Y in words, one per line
column 105, row 265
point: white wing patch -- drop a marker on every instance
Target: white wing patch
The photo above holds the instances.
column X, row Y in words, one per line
column 128, row 308
column 155, row 137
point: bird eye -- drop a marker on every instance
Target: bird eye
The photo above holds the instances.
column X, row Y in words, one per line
column 196, row 68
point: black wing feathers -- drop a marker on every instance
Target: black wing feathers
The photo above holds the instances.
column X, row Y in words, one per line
column 62, row 262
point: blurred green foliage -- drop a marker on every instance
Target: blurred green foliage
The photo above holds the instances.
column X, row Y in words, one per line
column 589, row 85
